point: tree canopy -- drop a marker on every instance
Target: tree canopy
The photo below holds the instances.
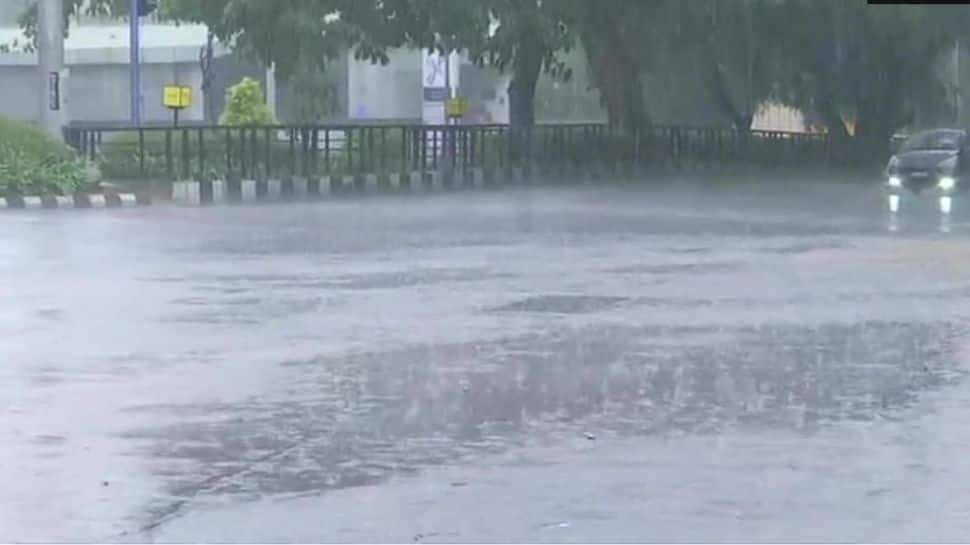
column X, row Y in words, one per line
column 862, row 70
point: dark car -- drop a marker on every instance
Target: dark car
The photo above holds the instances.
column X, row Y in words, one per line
column 934, row 162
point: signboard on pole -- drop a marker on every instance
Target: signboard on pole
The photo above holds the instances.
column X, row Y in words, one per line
column 434, row 80
column 456, row 108
column 54, row 91
column 177, row 97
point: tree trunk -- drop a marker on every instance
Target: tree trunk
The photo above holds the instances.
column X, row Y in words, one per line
column 722, row 99
column 614, row 62
column 617, row 76
column 522, row 94
column 522, row 88
column 880, row 114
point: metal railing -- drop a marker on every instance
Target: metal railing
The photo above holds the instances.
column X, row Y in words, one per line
column 210, row 152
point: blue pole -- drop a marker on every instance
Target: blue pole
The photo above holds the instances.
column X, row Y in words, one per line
column 134, row 62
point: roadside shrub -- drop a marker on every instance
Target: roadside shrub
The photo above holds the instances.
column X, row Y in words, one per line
column 246, row 105
column 32, row 162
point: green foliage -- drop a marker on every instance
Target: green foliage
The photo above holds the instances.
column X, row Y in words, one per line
column 864, row 68
column 860, row 69
column 246, row 105
column 31, row 162
column 731, row 45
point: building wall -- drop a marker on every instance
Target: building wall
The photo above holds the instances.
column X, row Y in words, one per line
column 99, row 92
column 18, row 93
column 391, row 91
column 334, row 99
column 96, row 85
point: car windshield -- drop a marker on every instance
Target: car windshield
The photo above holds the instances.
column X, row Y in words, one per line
column 934, row 140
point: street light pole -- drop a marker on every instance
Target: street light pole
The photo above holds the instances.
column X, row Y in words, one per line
column 50, row 64
column 134, row 62
column 958, row 95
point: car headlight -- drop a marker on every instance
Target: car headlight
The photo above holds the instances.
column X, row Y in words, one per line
column 947, row 183
column 895, row 181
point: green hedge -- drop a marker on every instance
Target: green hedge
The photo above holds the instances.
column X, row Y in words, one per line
column 33, row 163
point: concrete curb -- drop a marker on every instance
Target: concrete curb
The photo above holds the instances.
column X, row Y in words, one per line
column 327, row 187
column 71, row 202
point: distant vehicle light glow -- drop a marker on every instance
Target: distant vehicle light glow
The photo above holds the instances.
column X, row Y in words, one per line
column 946, row 205
column 894, row 203
column 947, row 183
column 895, row 181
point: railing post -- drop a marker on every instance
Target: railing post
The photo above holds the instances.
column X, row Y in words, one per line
column 291, row 134
column 141, row 152
column 305, row 143
column 362, row 156
column 169, row 159
column 201, row 136
column 422, row 144
column 185, row 156
column 349, row 147
column 268, row 157
column 327, row 151
column 404, row 150
column 371, row 162
column 383, row 154
column 314, row 153
column 228, row 155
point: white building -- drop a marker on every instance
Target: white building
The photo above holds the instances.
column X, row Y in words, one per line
column 96, row 87
column 97, row 83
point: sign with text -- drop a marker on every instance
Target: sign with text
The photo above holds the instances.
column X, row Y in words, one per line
column 54, row 91
column 177, row 97
column 456, row 107
column 435, row 94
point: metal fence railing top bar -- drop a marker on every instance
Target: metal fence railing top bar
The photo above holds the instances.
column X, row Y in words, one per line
column 281, row 151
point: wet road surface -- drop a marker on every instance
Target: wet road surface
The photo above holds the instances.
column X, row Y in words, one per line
column 754, row 362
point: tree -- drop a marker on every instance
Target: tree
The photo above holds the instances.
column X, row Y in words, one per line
column 733, row 44
column 519, row 36
column 612, row 39
column 523, row 37
column 862, row 67
column 527, row 38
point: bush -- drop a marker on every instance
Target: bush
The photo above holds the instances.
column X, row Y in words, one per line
column 33, row 163
column 246, row 105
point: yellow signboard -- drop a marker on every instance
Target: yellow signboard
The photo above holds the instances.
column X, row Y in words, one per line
column 177, row 97
column 456, row 107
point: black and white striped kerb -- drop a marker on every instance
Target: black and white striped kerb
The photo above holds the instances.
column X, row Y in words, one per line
column 63, row 202
column 299, row 189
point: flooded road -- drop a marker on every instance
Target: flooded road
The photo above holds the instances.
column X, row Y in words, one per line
column 756, row 362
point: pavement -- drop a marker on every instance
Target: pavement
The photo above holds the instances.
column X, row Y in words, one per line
column 755, row 361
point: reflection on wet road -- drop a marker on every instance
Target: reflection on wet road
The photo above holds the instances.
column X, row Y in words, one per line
column 229, row 374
